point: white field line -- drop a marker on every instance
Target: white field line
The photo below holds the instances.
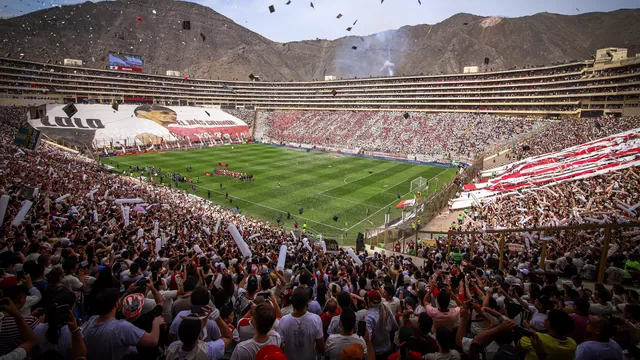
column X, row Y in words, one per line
column 389, row 204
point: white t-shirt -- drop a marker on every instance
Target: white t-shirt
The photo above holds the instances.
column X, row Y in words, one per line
column 537, row 319
column 215, row 349
column 299, row 335
column 336, row 344
column 249, row 349
column 210, row 330
column 71, row 282
column 394, row 304
column 64, row 340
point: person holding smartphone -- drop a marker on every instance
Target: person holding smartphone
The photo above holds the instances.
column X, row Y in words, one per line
column 61, row 328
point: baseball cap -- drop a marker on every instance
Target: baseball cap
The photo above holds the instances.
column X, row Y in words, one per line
column 270, row 352
column 352, row 352
column 374, row 297
column 132, row 305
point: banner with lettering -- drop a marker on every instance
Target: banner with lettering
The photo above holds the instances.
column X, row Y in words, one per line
column 100, row 125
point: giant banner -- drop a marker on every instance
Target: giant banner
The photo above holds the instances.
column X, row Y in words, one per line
column 100, row 125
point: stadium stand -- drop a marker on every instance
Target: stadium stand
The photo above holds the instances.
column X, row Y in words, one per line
column 117, row 266
column 166, row 256
column 566, row 89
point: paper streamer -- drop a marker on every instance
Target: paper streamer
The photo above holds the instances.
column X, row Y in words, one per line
column 90, row 193
column 254, row 236
column 594, row 220
column 354, row 257
column 525, row 220
column 84, row 177
column 324, row 246
column 294, row 236
column 244, row 249
column 197, row 249
column 4, row 202
column 36, row 191
column 155, row 228
column 22, row 213
column 217, row 226
column 95, row 216
column 305, row 242
column 206, row 229
column 140, row 233
column 61, row 198
column 282, row 258
column 627, row 210
column 158, row 245
column 55, row 218
column 128, row 201
column 125, row 215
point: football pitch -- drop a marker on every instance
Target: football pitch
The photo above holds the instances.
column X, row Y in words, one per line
column 356, row 190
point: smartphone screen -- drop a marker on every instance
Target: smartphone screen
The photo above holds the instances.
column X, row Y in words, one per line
column 362, row 325
column 196, row 309
column 154, row 275
column 402, row 305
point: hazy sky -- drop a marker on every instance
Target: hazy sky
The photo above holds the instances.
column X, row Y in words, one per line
column 298, row 21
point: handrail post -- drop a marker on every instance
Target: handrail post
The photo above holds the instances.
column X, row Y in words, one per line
column 501, row 263
column 448, row 244
column 416, row 242
column 603, row 256
column 473, row 240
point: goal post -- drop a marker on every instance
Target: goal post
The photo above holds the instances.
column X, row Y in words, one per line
column 419, row 184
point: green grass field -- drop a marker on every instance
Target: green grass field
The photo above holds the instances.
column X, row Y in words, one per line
column 324, row 184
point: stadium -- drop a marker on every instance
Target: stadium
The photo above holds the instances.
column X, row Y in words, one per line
column 155, row 200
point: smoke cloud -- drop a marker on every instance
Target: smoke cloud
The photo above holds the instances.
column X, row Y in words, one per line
column 388, row 68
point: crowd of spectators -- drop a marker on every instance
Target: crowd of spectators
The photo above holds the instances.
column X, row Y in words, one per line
column 245, row 115
column 561, row 134
column 439, row 136
column 86, row 276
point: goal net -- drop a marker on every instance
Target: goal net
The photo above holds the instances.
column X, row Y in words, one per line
column 419, row 184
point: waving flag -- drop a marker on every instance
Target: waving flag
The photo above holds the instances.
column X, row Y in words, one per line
column 406, row 203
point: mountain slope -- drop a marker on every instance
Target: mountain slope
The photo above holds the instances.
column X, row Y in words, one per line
column 90, row 31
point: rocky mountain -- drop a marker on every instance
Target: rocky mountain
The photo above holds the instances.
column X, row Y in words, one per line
column 89, row 31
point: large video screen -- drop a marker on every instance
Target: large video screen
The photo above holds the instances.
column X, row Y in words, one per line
column 125, row 62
